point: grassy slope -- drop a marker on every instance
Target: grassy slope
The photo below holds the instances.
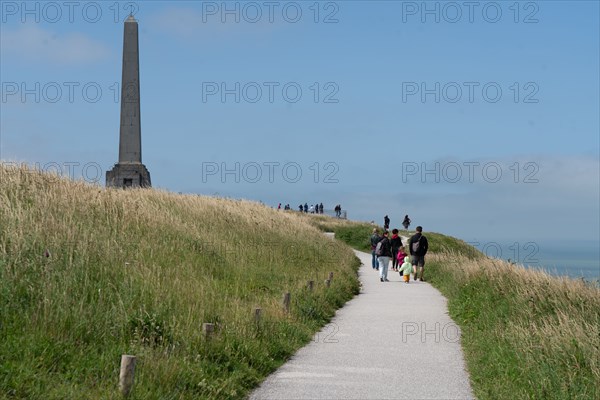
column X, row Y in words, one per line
column 138, row 272
column 525, row 334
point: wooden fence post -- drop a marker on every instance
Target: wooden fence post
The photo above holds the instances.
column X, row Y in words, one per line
column 208, row 329
column 257, row 313
column 126, row 374
column 286, row 302
column 287, row 298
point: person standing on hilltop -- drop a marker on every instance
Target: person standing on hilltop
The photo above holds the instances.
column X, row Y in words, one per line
column 386, row 223
column 396, row 244
column 418, row 246
column 375, row 238
column 406, row 222
column 384, row 256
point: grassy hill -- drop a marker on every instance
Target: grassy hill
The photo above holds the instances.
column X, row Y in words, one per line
column 525, row 334
column 88, row 274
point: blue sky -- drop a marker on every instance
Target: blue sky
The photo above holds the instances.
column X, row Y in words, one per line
column 508, row 126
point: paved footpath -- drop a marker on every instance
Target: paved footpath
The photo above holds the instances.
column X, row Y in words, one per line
column 393, row 341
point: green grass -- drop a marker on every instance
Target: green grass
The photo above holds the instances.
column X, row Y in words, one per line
column 138, row 272
column 355, row 234
column 525, row 334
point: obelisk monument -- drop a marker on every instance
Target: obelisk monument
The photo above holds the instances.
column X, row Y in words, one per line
column 129, row 171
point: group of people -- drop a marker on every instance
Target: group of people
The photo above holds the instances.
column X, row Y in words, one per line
column 405, row 222
column 384, row 248
column 316, row 208
column 313, row 209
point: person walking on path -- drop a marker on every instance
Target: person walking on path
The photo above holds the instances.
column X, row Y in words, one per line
column 386, row 223
column 384, row 256
column 418, row 246
column 396, row 244
column 406, row 269
column 375, row 238
column 406, row 222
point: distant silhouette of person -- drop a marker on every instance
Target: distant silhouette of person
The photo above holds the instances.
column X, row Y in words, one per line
column 321, row 208
column 311, row 209
column 406, row 222
column 386, row 223
column 300, row 208
column 305, row 207
column 279, row 207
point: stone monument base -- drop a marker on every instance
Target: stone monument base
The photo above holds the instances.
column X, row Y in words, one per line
column 134, row 175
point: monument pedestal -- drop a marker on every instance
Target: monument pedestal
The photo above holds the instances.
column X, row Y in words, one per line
column 124, row 175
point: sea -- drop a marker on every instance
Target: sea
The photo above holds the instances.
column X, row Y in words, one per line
column 577, row 259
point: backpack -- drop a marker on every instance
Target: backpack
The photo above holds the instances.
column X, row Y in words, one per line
column 416, row 246
column 374, row 240
column 379, row 249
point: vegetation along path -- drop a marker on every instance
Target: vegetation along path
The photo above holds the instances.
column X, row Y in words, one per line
column 393, row 341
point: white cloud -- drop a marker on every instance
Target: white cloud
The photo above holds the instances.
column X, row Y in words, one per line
column 33, row 43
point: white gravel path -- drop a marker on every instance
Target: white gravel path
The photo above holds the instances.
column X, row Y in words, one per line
column 393, row 341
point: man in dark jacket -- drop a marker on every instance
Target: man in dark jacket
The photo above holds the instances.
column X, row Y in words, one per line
column 384, row 257
column 396, row 244
column 375, row 238
column 418, row 246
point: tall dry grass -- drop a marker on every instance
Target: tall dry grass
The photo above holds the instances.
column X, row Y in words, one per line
column 88, row 273
column 526, row 334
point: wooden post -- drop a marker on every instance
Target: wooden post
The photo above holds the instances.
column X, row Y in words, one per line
column 331, row 276
column 208, row 329
column 286, row 302
column 310, row 285
column 327, row 282
column 257, row 312
column 126, row 374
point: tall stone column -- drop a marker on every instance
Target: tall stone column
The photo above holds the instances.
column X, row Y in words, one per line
column 129, row 171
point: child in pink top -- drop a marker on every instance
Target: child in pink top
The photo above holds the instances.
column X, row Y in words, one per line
column 401, row 255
